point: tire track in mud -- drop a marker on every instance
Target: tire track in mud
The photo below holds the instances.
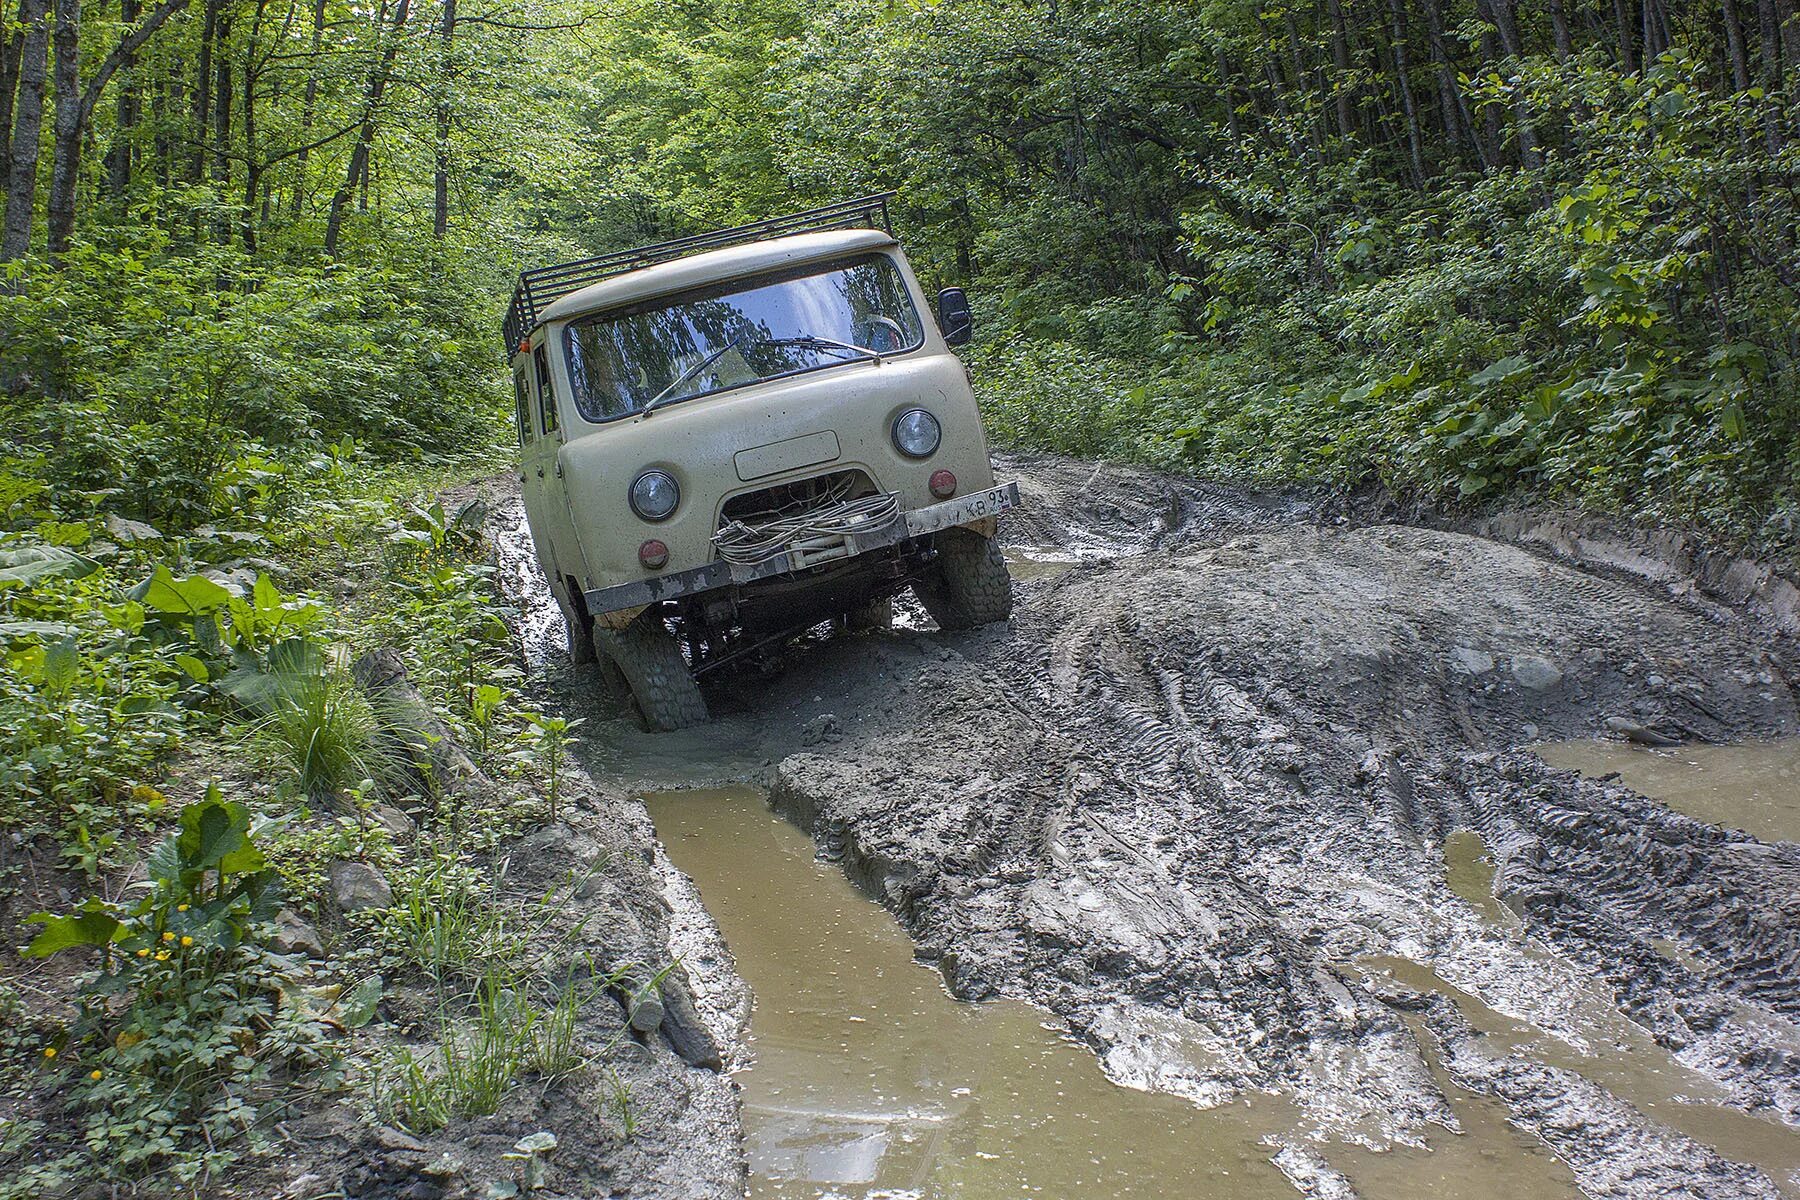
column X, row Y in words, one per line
column 1214, row 766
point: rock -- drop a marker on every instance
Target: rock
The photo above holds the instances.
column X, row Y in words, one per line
column 1643, row 735
column 394, row 820
column 125, row 530
column 293, row 935
column 382, row 677
column 1471, row 661
column 1535, row 673
column 683, row 1026
column 357, row 886
column 389, row 1138
column 822, row 728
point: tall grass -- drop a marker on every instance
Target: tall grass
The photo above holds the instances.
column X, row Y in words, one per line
column 481, row 1055
column 317, row 725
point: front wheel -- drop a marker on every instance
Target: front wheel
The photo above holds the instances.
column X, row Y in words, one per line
column 967, row 584
column 649, row 658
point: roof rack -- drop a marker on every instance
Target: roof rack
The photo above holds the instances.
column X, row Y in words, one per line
column 538, row 289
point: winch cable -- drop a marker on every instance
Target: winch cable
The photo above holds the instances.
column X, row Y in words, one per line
column 749, row 544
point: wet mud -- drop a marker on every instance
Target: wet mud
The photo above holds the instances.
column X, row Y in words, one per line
column 1244, row 797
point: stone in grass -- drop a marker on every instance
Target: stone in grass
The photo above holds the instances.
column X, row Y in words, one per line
column 357, row 886
column 293, row 935
column 123, row 529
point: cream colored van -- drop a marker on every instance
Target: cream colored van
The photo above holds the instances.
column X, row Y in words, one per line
column 729, row 439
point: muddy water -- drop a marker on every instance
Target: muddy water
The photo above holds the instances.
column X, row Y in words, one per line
column 867, row 1081
column 1753, row 787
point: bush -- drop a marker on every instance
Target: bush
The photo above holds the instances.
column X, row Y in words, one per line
column 179, row 1029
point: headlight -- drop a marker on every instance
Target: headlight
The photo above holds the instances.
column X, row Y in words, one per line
column 917, row 433
column 654, row 495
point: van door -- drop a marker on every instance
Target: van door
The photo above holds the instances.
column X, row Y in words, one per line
column 531, row 481
column 552, row 528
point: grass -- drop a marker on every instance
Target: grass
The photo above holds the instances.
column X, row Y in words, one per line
column 319, row 727
column 480, row 1056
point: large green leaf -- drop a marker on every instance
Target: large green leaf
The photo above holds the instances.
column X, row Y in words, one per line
column 215, row 835
column 25, row 565
column 62, row 663
column 92, row 927
column 194, row 596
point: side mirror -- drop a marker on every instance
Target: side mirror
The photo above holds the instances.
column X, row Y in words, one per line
column 954, row 317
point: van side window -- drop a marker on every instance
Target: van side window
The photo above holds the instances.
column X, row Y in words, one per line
column 522, row 406
column 546, row 401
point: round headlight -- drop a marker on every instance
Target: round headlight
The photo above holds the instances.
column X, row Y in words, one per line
column 654, row 495
column 917, row 433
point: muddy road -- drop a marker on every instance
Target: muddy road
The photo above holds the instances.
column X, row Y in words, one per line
column 1245, row 797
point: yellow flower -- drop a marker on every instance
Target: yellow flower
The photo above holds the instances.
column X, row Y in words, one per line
column 187, row 941
column 145, row 953
column 181, row 908
column 49, row 1051
column 162, row 956
column 94, row 1074
column 168, row 937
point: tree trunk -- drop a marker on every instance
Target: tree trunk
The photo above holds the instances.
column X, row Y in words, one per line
column 1231, row 118
column 28, row 128
column 1403, row 82
column 203, row 91
column 10, row 53
column 252, row 158
column 306, row 108
column 1457, row 120
column 1769, row 31
column 440, row 212
column 365, row 141
column 125, row 117
column 1559, row 26
column 65, row 162
column 1622, row 17
column 1340, row 62
column 1734, row 47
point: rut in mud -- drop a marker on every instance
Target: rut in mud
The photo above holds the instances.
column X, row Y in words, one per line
column 1188, row 789
column 1201, row 788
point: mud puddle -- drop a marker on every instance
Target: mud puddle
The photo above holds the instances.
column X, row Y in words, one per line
column 1754, row 786
column 865, row 1079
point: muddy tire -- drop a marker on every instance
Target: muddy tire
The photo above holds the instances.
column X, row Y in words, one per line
column 662, row 687
column 877, row 616
column 967, row 584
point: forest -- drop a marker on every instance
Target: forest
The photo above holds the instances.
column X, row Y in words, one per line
column 1456, row 253
column 1457, row 249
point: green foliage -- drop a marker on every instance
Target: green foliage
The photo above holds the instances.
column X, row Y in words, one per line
column 315, row 724
column 551, row 745
column 178, row 1032
column 510, row 1027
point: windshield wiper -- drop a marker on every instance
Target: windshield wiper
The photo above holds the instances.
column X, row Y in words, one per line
column 814, row 342
column 688, row 374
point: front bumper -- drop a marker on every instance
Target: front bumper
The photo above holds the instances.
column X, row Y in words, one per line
column 963, row 510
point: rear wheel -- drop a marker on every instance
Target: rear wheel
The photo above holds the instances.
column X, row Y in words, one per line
column 967, row 584
column 650, row 659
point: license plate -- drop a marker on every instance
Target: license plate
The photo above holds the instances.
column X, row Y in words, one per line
column 990, row 503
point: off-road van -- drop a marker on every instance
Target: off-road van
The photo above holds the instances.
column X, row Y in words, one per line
column 731, row 438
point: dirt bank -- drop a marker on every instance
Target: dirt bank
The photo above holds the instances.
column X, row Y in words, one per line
column 1202, row 787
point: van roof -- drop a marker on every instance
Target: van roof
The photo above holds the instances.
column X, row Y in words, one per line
column 714, row 266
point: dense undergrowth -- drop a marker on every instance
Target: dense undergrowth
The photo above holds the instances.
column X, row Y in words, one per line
column 160, row 1027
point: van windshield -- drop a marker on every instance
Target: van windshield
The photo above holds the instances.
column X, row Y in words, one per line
column 741, row 333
